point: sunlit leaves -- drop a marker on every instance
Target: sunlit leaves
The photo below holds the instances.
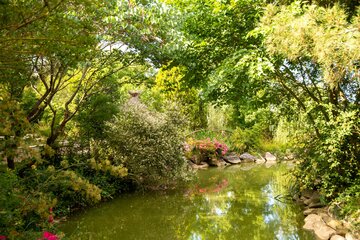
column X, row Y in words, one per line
column 321, row 34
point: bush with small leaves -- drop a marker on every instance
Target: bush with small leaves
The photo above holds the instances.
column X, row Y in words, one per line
column 148, row 144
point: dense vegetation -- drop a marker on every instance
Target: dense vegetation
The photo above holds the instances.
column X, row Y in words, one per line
column 262, row 75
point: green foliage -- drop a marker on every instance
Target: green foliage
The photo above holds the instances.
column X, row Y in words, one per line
column 214, row 31
column 323, row 34
column 347, row 205
column 314, row 52
column 22, row 209
column 148, row 143
column 249, row 139
column 10, row 214
column 292, row 76
column 172, row 87
column 97, row 110
column 332, row 163
column 28, row 193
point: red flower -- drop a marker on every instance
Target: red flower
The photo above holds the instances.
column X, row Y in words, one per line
column 49, row 236
column 3, row 237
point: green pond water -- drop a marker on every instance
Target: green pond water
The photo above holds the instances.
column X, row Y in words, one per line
column 238, row 202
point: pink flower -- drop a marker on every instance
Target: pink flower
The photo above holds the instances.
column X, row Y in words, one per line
column 49, row 236
column 3, row 237
column 202, row 190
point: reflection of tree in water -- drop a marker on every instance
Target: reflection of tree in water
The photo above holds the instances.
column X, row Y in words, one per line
column 245, row 210
column 242, row 208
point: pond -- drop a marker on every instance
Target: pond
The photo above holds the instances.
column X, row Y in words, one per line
column 238, row 202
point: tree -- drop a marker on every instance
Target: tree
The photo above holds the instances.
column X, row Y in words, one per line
column 170, row 83
column 215, row 32
column 313, row 53
column 65, row 50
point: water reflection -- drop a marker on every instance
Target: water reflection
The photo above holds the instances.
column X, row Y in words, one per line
column 231, row 203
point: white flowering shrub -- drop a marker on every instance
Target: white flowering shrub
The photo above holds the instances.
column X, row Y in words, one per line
column 148, row 144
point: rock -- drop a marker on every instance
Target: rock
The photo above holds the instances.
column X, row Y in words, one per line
column 335, row 224
column 325, row 217
column 342, row 231
column 202, row 165
column 349, row 236
column 312, row 199
column 310, row 211
column 261, row 159
column 307, row 201
column 347, row 224
column 337, row 237
column 316, row 205
column 324, row 232
column 307, row 193
column 196, row 159
column 302, row 198
column 247, row 157
column 315, row 196
column 311, row 221
column 232, row 158
column 217, row 163
column 269, row 157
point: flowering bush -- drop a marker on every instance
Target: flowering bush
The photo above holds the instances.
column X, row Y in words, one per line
column 204, row 150
column 148, row 144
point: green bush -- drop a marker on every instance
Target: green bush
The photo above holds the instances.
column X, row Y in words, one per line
column 347, row 204
column 331, row 163
column 148, row 143
column 248, row 139
column 23, row 211
column 10, row 214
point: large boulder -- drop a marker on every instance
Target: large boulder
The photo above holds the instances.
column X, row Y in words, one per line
column 270, row 157
column 232, row 158
column 202, row 165
column 260, row 159
column 337, row 237
column 216, row 162
column 247, row 157
column 312, row 221
column 309, row 211
column 349, row 236
column 324, row 232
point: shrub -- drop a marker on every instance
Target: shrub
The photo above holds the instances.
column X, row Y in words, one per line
column 204, row 150
column 10, row 214
column 148, row 144
column 331, row 163
column 246, row 139
column 22, row 211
